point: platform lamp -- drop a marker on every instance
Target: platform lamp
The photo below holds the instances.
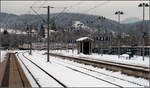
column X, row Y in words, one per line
column 103, row 19
column 119, row 13
column 143, row 5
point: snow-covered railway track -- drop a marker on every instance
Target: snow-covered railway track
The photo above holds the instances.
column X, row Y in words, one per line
column 136, row 71
column 95, row 74
column 59, row 82
column 90, row 75
column 29, row 71
column 101, row 73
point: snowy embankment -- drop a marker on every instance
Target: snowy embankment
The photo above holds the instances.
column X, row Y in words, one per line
column 73, row 78
column 3, row 54
column 136, row 60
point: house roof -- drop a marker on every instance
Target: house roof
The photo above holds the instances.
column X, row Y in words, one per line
column 84, row 38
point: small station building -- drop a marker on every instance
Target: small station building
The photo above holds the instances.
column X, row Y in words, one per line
column 84, row 45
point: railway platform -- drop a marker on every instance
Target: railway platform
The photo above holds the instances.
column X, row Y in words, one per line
column 12, row 74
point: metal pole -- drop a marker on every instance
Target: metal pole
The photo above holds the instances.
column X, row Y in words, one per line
column 0, row 35
column 0, row 39
column 119, row 35
column 102, row 47
column 99, row 47
column 143, row 28
column 149, row 41
column 0, row 44
column 15, row 39
column 149, row 31
column 28, row 36
column 48, row 23
column 30, row 41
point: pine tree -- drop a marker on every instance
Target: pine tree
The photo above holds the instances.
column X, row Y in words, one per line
column 42, row 31
column 53, row 25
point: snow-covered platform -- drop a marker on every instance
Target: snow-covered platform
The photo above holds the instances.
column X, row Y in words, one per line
column 124, row 65
column 124, row 59
column 11, row 73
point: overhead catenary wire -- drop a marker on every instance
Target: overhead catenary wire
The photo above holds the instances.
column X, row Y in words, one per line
column 42, row 17
column 75, row 5
column 60, row 12
column 92, row 8
column 42, row 5
column 96, row 6
column 38, row 15
column 68, row 8
column 33, row 3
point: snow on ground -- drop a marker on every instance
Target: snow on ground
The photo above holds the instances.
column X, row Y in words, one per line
column 13, row 31
column 42, row 78
column 136, row 60
column 65, row 75
column 111, row 73
column 72, row 78
column 3, row 54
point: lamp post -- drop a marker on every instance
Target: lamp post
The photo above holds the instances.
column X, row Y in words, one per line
column 143, row 5
column 119, row 13
column 102, row 38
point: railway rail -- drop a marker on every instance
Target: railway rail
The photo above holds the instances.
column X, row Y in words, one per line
column 62, row 84
column 29, row 71
column 137, row 71
column 81, row 73
column 101, row 73
column 91, row 75
column 99, row 78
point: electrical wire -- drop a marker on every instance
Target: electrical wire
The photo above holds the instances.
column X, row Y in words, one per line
column 68, row 8
column 96, row 6
column 42, row 5
column 33, row 3
column 60, row 12
column 39, row 15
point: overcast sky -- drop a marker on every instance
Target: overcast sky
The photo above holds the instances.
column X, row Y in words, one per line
column 102, row 8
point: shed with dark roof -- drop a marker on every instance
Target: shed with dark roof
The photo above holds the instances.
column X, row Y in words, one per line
column 84, row 45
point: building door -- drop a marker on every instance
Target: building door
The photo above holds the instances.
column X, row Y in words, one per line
column 81, row 47
column 86, row 48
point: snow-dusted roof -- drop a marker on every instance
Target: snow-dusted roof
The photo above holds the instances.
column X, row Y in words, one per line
column 84, row 38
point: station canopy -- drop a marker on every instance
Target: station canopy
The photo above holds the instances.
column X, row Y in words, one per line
column 84, row 39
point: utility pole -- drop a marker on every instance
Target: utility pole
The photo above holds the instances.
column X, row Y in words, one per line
column 149, row 32
column 48, row 23
column 0, row 35
column 15, row 38
column 48, row 28
column 30, row 36
column 149, row 40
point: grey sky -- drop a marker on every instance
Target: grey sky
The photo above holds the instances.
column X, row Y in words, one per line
column 103, row 8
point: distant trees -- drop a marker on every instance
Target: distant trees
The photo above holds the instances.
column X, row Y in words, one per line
column 53, row 24
column 5, row 39
column 42, row 31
